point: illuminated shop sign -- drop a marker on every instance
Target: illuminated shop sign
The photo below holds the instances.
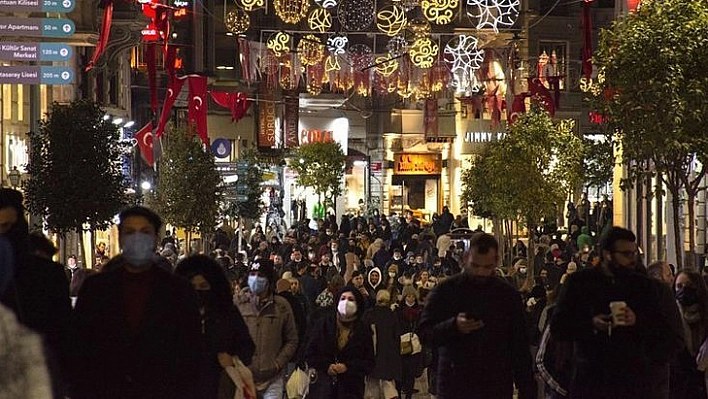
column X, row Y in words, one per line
column 417, row 164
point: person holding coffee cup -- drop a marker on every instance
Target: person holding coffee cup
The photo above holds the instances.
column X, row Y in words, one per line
column 619, row 323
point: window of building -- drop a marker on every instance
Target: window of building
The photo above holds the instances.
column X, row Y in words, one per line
column 20, row 103
column 551, row 66
column 7, row 101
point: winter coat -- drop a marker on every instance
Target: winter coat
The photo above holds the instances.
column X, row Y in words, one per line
column 485, row 363
column 616, row 365
column 321, row 351
column 387, row 343
column 274, row 332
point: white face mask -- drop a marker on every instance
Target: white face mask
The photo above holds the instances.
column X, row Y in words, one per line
column 392, row 274
column 138, row 248
column 397, row 257
column 346, row 308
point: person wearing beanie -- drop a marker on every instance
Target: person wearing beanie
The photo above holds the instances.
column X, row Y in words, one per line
column 381, row 382
column 340, row 348
column 271, row 322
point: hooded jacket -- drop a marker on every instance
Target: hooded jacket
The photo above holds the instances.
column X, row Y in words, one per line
column 369, row 285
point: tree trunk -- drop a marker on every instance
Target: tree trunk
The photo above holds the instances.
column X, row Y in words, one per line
column 675, row 205
column 691, row 259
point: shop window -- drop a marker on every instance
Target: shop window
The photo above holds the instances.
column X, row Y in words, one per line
column 551, row 65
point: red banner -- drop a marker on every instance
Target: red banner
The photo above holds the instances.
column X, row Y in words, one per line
column 237, row 103
column 292, row 120
column 197, row 106
column 103, row 35
column 152, row 74
column 173, row 90
column 541, row 93
column 518, row 107
column 587, row 40
column 145, row 140
column 430, row 116
column 266, row 122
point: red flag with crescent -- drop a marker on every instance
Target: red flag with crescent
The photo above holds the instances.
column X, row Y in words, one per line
column 144, row 139
column 173, row 90
column 103, row 35
column 237, row 103
column 197, row 112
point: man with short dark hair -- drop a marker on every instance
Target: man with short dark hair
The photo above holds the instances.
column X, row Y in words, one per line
column 138, row 325
column 476, row 322
column 616, row 357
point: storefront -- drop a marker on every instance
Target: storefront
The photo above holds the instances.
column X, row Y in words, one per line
column 416, row 184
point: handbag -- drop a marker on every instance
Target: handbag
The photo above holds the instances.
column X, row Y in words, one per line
column 410, row 344
column 298, row 385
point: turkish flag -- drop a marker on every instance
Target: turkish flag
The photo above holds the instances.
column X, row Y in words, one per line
column 540, row 91
column 197, row 112
column 144, row 138
column 103, row 35
column 152, row 74
column 517, row 108
column 173, row 90
column 237, row 103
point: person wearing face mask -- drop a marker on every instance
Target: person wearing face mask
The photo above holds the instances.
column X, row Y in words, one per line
column 615, row 357
column 337, row 257
column 340, row 348
column 688, row 369
column 224, row 332
column 271, row 322
column 138, row 325
column 475, row 323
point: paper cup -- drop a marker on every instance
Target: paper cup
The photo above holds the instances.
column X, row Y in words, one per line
column 617, row 309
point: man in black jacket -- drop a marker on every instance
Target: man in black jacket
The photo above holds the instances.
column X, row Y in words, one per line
column 476, row 322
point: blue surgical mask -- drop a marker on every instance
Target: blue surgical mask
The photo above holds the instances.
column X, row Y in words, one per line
column 138, row 248
column 257, row 284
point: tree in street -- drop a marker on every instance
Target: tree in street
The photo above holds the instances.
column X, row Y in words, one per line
column 652, row 88
column 253, row 207
column 320, row 165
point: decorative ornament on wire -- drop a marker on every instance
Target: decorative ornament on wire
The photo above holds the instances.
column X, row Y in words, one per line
column 419, row 27
column 319, row 20
column 250, row 5
column 360, row 56
column 409, row 4
column 337, row 44
column 291, row 11
column 332, row 64
column 268, row 64
column 439, row 12
column 310, row 50
column 391, row 20
column 494, row 14
column 461, row 54
column 327, row 3
column 279, row 43
column 385, row 66
column 237, row 21
column 356, row 15
column 396, row 47
column 315, row 76
column 423, row 52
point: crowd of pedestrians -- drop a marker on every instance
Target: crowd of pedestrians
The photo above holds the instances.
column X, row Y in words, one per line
column 376, row 308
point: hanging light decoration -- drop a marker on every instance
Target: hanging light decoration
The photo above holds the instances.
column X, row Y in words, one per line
column 419, row 27
column 462, row 55
column 493, row 14
column 391, row 20
column 315, row 76
column 409, row 4
column 356, row 15
column 310, row 50
column 439, row 12
column 396, row 46
column 319, row 20
column 279, row 43
column 327, row 3
column 337, row 44
column 385, row 66
column 360, row 56
column 423, row 52
column 250, row 5
column 291, row 11
column 237, row 21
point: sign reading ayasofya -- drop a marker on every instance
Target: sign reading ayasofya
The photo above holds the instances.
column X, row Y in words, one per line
column 417, row 164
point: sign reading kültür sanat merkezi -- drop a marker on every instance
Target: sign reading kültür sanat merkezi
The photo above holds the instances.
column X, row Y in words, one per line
column 13, row 51
column 37, row 5
column 32, row 75
column 37, row 27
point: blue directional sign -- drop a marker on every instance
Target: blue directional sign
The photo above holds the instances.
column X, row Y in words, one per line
column 37, row 27
column 62, row 6
column 32, row 75
column 27, row 51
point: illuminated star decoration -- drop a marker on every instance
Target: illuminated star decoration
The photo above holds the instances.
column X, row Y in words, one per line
column 337, row 44
column 461, row 54
column 493, row 14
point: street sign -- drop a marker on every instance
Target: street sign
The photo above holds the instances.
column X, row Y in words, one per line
column 14, row 51
column 62, row 6
column 32, row 75
column 37, row 27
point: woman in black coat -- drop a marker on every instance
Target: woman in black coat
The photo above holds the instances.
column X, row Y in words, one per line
column 340, row 348
column 383, row 322
column 224, row 332
column 408, row 314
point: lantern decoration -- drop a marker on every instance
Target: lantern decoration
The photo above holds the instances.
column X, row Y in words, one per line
column 385, row 66
column 396, row 46
column 356, row 15
column 279, row 43
column 310, row 50
column 493, row 14
column 250, row 5
column 315, row 75
column 320, row 20
column 337, row 44
column 439, row 12
column 327, row 4
column 423, row 52
column 237, row 21
column 291, row 11
column 391, row 20
column 419, row 27
column 462, row 55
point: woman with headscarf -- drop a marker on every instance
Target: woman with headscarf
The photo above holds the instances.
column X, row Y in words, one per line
column 224, row 331
column 340, row 348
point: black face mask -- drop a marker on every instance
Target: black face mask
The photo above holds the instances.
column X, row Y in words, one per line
column 205, row 297
column 687, row 296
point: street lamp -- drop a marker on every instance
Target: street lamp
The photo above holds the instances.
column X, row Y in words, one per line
column 14, row 177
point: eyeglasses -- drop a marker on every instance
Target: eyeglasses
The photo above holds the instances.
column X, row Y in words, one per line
column 628, row 254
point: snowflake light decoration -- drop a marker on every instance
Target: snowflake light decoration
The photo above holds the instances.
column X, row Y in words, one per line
column 291, row 11
column 391, row 20
column 327, row 3
column 356, row 15
column 439, row 12
column 423, row 52
column 397, row 46
column 237, row 21
column 461, row 54
column 279, row 43
column 337, row 44
column 320, row 20
column 493, row 14
column 310, row 50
